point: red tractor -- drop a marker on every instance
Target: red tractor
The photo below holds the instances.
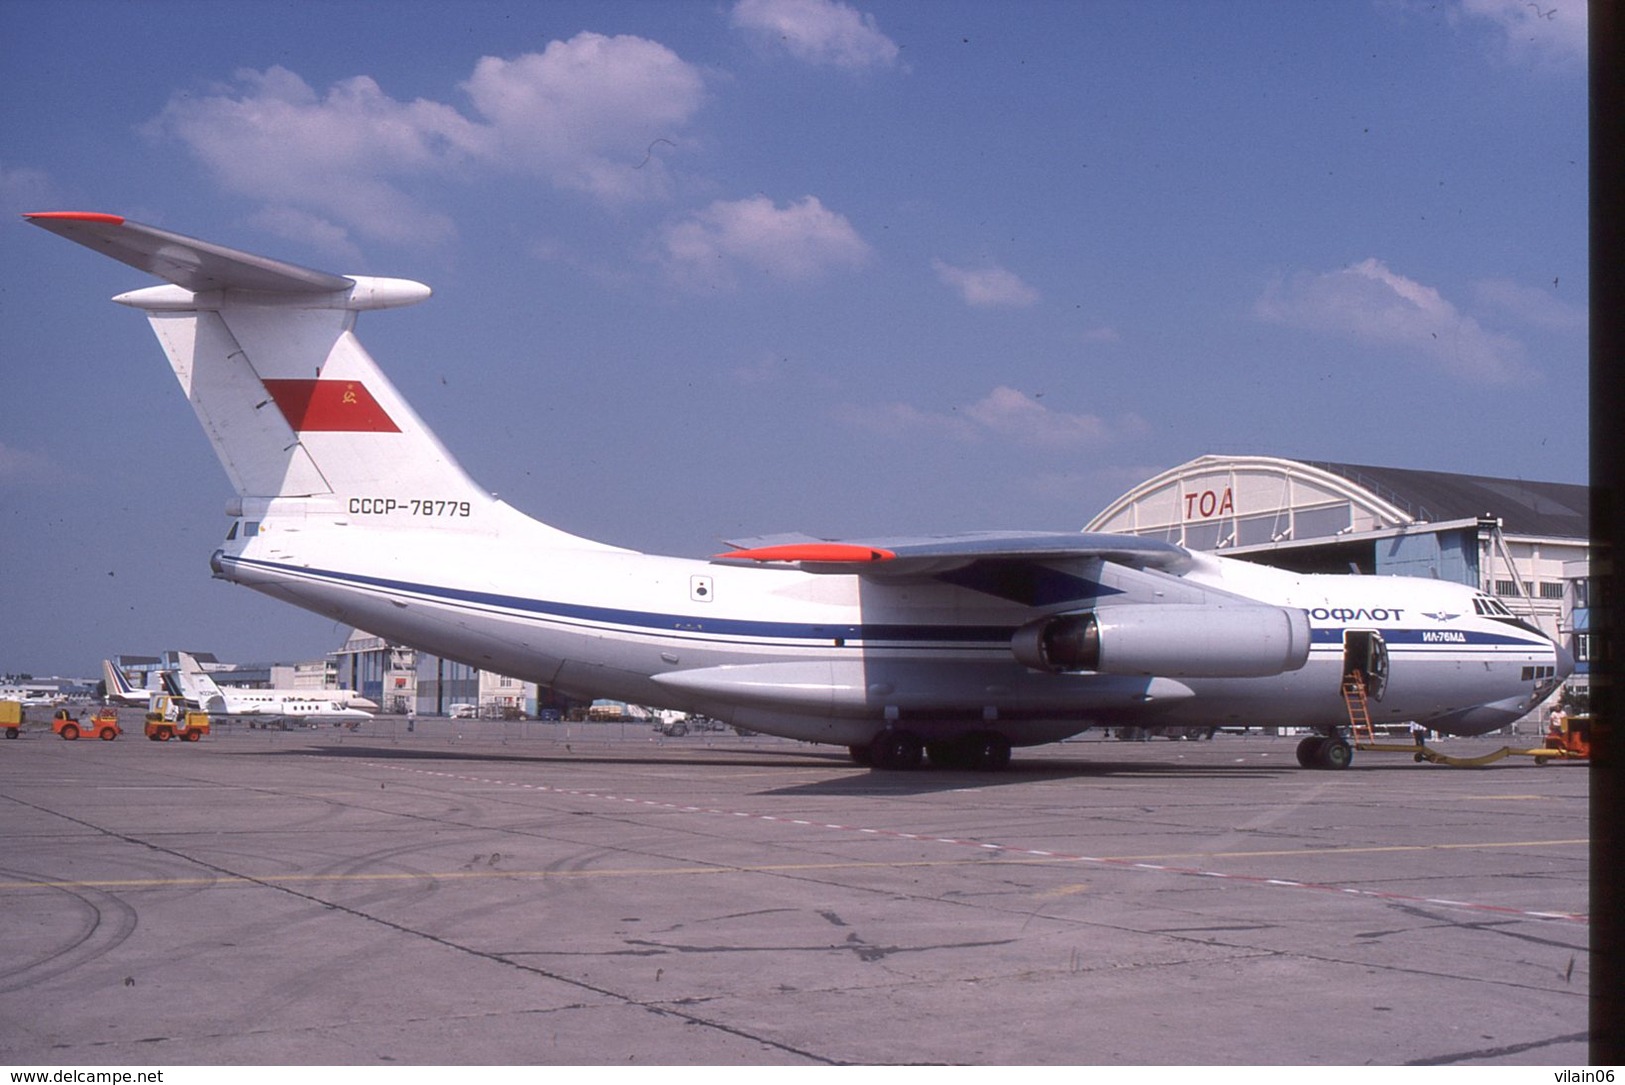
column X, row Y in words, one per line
column 104, row 725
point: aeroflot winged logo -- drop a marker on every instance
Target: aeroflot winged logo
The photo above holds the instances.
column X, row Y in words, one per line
column 334, row 406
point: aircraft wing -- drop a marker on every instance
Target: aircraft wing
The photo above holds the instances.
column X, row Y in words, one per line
column 185, row 261
column 931, row 555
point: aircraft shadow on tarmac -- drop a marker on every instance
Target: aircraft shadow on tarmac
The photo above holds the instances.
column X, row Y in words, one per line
column 858, row 781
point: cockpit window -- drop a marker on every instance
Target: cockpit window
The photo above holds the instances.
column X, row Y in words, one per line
column 1486, row 606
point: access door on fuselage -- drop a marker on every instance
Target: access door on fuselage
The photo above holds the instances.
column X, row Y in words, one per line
column 1365, row 652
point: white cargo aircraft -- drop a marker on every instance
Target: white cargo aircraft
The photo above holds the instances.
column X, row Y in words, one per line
column 199, row 687
column 959, row 646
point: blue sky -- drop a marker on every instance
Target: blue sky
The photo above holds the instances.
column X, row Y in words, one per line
column 710, row 270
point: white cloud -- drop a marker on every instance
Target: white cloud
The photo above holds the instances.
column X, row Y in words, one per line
column 1004, row 414
column 1528, row 305
column 588, row 114
column 905, row 420
column 819, row 31
column 986, row 287
column 799, row 242
column 1372, row 304
column 272, row 138
column 1017, row 416
column 297, row 225
column 1549, row 32
column 582, row 115
column 767, row 369
column 21, row 468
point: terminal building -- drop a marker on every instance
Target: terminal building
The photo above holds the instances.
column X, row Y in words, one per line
column 404, row 681
column 1525, row 542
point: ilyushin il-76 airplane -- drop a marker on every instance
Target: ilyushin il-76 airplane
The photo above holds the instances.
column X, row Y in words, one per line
column 958, row 647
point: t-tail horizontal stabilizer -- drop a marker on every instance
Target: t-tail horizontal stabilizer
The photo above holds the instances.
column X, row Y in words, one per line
column 266, row 353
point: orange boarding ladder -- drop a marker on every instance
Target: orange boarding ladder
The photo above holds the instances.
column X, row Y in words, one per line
column 1359, row 711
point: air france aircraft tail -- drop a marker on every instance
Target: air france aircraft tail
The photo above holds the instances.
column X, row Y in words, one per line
column 956, row 646
column 121, row 690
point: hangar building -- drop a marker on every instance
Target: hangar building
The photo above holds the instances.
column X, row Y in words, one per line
column 1524, row 542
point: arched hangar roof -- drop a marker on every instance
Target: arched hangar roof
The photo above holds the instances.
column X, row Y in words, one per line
column 1221, row 502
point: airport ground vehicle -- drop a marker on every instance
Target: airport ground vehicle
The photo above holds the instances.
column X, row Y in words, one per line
column 170, row 718
column 1569, row 739
column 11, row 717
column 104, row 725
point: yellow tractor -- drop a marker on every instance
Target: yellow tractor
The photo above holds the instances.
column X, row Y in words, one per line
column 170, row 718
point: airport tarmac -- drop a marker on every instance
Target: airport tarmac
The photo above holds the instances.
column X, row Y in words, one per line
column 527, row 893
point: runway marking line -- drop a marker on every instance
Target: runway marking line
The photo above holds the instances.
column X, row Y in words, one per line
column 260, row 880
column 1098, row 860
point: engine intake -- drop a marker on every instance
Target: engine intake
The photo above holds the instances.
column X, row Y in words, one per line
column 1177, row 640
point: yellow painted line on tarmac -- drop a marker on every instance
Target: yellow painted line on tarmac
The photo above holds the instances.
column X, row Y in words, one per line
column 1505, row 798
column 771, row 868
column 1353, row 850
column 478, row 875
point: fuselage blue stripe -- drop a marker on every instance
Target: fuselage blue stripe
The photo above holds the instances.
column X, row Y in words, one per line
column 1406, row 640
column 662, row 624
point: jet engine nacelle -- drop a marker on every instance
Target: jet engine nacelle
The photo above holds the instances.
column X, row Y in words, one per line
column 1177, row 640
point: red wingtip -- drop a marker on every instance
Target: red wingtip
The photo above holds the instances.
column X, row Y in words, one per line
column 78, row 216
column 812, row 552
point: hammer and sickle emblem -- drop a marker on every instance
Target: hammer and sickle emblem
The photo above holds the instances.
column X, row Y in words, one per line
column 349, row 394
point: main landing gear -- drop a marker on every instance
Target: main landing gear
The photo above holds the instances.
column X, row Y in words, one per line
column 980, row 751
column 1325, row 752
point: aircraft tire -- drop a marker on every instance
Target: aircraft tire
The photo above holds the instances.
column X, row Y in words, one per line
column 1334, row 753
column 1309, row 752
column 985, row 751
column 897, row 750
column 862, row 755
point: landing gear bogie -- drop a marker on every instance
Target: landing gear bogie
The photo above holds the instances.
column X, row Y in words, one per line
column 984, row 751
column 978, row 751
column 1325, row 752
column 896, row 750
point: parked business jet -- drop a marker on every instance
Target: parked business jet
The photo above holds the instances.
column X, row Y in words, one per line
column 958, row 646
column 198, row 687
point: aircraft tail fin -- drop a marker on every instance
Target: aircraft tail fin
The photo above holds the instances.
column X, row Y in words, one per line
column 118, row 686
column 197, row 686
column 267, row 354
column 171, row 686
